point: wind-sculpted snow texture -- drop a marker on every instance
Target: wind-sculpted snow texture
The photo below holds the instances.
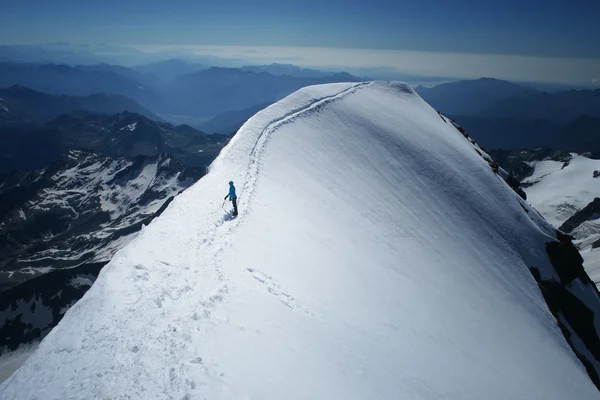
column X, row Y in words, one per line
column 376, row 256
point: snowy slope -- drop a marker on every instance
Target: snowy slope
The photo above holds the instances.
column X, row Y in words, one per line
column 376, row 256
column 559, row 190
column 81, row 209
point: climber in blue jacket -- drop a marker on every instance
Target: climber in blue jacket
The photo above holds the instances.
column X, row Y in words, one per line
column 232, row 196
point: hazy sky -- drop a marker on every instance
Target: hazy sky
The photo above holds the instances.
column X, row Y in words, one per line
column 567, row 31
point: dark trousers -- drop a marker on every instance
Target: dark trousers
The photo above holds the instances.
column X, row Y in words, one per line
column 234, row 201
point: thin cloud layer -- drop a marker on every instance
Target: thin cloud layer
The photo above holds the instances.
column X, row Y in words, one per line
column 417, row 63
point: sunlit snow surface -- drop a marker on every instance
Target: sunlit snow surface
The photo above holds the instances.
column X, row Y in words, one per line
column 558, row 191
column 376, row 256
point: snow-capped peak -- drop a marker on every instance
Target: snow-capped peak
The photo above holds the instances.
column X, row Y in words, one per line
column 376, row 255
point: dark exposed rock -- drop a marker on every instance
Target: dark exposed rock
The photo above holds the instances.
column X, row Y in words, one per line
column 565, row 259
column 573, row 316
column 515, row 185
column 30, row 310
column 581, row 216
column 516, row 160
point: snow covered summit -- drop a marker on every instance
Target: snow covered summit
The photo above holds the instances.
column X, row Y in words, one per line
column 376, row 256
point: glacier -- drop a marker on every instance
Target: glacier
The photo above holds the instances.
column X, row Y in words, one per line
column 376, row 256
column 558, row 190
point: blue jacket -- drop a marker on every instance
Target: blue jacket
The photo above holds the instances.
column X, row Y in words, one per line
column 232, row 192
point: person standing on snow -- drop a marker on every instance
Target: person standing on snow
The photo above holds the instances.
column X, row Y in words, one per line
column 232, row 196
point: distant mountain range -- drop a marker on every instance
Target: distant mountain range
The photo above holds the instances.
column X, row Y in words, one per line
column 559, row 107
column 78, row 80
column 215, row 90
column 229, row 122
column 169, row 69
column 501, row 114
column 143, row 77
column 287, row 70
column 471, row 97
column 120, row 135
column 493, row 98
column 173, row 87
column 19, row 105
column 581, row 134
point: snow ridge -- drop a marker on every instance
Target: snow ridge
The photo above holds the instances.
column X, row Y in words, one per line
column 315, row 105
column 376, row 255
column 250, row 180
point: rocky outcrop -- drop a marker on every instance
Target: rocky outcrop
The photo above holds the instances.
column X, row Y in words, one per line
column 30, row 310
column 573, row 300
column 591, row 211
column 517, row 161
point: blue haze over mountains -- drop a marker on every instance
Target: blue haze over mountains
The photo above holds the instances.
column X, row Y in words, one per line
column 218, row 99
